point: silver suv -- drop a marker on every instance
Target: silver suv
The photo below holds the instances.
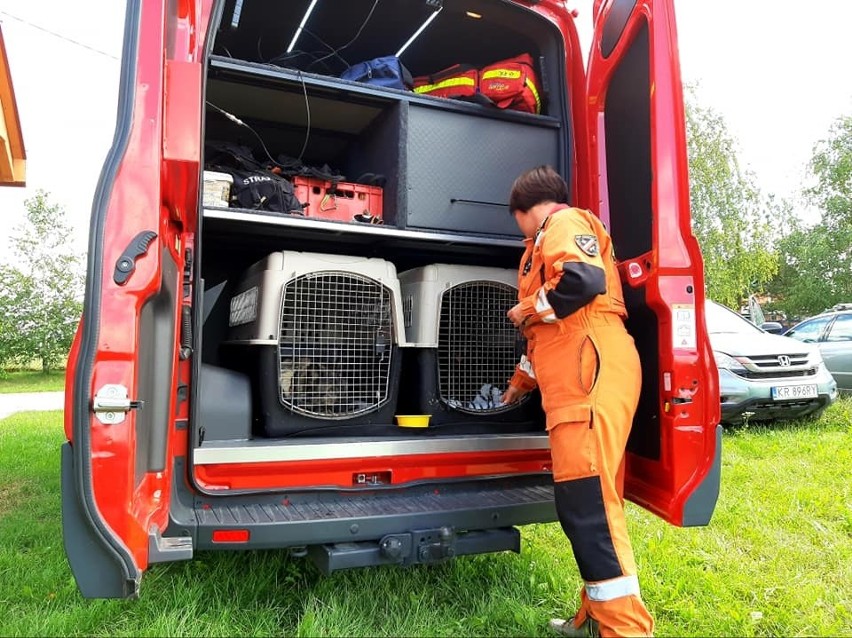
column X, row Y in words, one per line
column 831, row 331
column 764, row 376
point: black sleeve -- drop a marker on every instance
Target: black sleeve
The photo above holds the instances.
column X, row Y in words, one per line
column 579, row 284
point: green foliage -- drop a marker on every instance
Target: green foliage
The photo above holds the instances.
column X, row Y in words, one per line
column 814, row 273
column 731, row 219
column 41, row 289
column 775, row 560
column 816, row 264
column 13, row 382
column 14, row 294
column 832, row 166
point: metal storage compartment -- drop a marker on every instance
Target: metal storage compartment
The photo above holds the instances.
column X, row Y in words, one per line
column 442, row 141
column 447, row 168
column 358, row 135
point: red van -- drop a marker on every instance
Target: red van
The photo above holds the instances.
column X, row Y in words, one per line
column 243, row 369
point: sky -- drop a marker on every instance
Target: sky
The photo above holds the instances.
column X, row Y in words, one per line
column 773, row 69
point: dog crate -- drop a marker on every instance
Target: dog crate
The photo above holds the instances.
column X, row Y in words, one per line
column 464, row 348
column 319, row 336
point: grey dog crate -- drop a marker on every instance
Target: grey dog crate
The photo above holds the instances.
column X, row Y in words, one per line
column 319, row 337
column 464, row 348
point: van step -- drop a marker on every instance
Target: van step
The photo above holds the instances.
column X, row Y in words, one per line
column 338, row 516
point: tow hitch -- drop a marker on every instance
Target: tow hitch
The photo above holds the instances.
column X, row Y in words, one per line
column 415, row 547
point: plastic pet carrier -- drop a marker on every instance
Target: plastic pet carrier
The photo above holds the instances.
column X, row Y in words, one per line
column 319, row 336
column 464, row 348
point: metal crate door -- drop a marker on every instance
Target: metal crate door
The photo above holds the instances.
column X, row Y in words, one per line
column 335, row 346
column 478, row 347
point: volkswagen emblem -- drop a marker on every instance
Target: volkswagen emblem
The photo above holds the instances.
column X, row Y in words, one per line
column 783, row 361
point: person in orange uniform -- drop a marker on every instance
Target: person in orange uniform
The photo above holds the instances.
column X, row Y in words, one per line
column 587, row 369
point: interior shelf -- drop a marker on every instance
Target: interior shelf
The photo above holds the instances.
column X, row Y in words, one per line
column 263, row 84
column 243, row 231
column 294, row 226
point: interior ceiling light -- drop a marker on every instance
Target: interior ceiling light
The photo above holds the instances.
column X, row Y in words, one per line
column 238, row 11
column 473, row 14
column 423, row 26
column 302, row 25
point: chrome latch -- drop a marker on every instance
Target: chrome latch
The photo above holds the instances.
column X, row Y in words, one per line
column 111, row 404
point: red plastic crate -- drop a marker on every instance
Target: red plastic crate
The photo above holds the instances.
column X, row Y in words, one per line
column 348, row 202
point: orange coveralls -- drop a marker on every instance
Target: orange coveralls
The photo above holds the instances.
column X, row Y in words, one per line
column 587, row 369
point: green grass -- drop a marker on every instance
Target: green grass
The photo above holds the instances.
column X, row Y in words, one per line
column 32, row 381
column 775, row 560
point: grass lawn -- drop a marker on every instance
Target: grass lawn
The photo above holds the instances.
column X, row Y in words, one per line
column 775, row 561
column 32, row 381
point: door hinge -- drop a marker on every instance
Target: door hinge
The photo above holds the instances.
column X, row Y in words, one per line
column 111, row 404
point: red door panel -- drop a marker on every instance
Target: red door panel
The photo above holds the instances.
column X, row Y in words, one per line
column 123, row 413
column 638, row 181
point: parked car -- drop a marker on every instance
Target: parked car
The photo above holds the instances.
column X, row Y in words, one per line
column 831, row 331
column 763, row 376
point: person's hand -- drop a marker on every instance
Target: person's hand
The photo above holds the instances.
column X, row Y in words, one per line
column 512, row 395
column 516, row 316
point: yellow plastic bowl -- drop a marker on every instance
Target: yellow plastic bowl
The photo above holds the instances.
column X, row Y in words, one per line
column 412, row 420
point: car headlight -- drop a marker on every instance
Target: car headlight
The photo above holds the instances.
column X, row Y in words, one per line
column 815, row 359
column 727, row 362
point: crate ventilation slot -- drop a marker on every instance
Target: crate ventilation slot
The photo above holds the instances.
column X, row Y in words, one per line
column 335, row 345
column 477, row 346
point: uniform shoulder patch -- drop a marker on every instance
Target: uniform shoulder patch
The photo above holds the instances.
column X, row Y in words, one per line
column 588, row 244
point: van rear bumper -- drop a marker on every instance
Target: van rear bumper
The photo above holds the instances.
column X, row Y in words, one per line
column 459, row 513
column 333, row 517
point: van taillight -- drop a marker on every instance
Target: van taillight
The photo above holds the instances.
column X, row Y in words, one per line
column 230, row 536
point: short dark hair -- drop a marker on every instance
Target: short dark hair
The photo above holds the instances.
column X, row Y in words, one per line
column 537, row 185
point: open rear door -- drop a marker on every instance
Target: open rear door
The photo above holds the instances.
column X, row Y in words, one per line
column 635, row 121
column 127, row 387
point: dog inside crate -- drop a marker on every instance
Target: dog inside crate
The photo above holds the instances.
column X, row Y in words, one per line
column 465, row 348
column 477, row 345
column 335, row 345
column 319, row 337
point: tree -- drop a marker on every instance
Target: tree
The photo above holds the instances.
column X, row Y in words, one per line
column 41, row 290
column 14, row 294
column 816, row 264
column 831, row 164
column 807, row 281
column 731, row 218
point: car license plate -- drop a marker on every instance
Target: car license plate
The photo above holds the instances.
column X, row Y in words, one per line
column 788, row 392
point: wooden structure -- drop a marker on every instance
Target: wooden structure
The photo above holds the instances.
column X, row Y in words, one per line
column 13, row 158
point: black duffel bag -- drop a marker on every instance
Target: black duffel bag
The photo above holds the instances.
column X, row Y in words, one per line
column 255, row 187
column 263, row 190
